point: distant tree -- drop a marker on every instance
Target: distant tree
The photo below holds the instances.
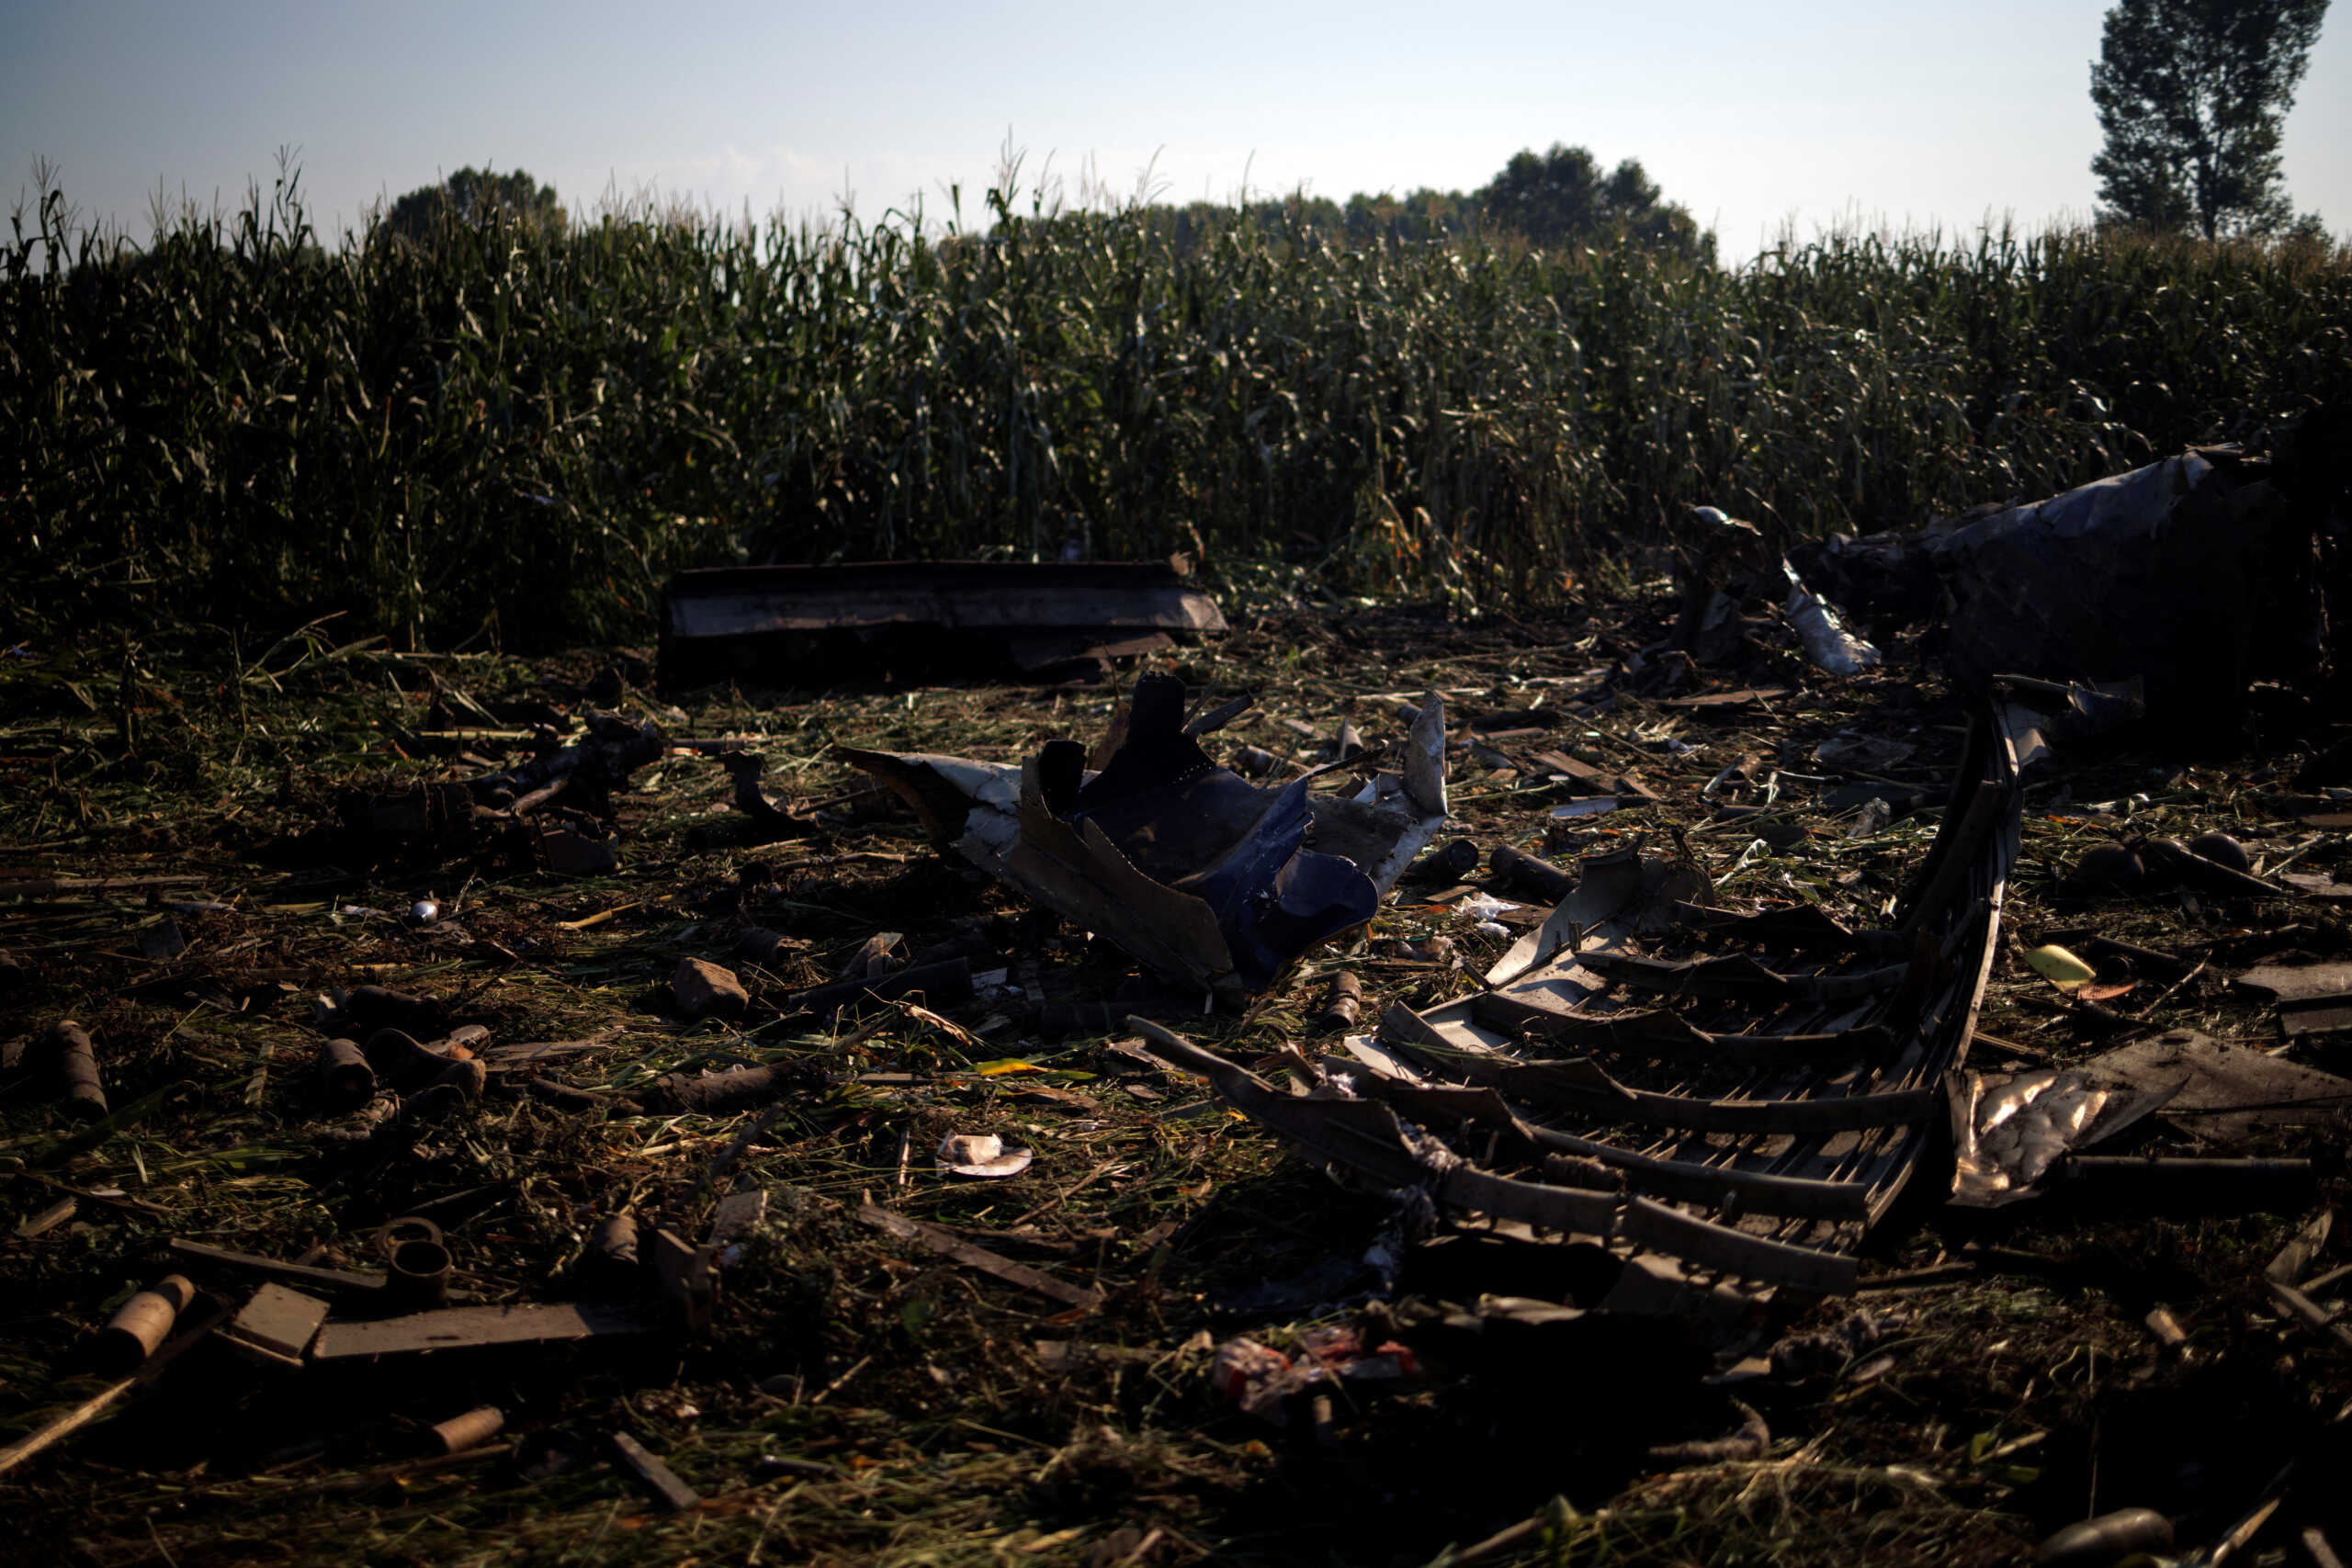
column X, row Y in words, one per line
column 1559, row 197
column 1423, row 214
column 2192, row 95
column 470, row 197
column 1562, row 196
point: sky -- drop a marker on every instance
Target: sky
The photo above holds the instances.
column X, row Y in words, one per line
column 1761, row 118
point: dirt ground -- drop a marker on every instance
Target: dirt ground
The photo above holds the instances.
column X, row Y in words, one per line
column 859, row 1398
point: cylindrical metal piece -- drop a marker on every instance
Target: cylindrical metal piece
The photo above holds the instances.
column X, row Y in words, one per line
column 419, row 1271
column 2109, row 1538
column 758, row 945
column 140, row 1324
column 77, row 1071
column 941, row 985
column 460, row 1433
column 608, row 1262
column 1517, row 868
column 1448, row 863
column 972, row 943
column 372, row 1007
column 408, row 1227
column 1254, row 760
column 416, row 1266
column 615, row 1237
column 401, row 1061
column 468, row 1077
column 1341, row 1008
column 344, row 1076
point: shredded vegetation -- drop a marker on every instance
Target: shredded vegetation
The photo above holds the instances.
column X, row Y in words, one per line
column 862, row 1399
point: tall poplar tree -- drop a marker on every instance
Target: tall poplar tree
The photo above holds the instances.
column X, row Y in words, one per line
column 2192, row 95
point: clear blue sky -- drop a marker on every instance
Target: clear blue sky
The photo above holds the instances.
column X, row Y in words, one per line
column 1752, row 115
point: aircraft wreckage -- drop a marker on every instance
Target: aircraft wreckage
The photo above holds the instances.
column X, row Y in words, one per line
column 1745, row 1093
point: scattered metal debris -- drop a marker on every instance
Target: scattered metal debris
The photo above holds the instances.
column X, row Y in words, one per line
column 1657, row 1125
column 980, row 1153
column 2110, row 1537
column 277, row 1325
column 974, row 1256
column 82, row 1097
column 140, row 1324
column 2224, row 1092
column 657, row 1477
column 1200, row 874
column 1775, row 1147
column 2190, row 576
column 2015, row 1133
column 734, row 621
column 1726, row 562
column 464, row 1328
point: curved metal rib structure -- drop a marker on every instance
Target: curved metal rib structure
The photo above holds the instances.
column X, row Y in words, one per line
column 1747, row 1094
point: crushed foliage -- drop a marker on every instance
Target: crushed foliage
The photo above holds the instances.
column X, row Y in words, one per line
column 862, row 1394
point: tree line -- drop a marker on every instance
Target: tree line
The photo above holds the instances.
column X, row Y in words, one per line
column 1563, row 196
column 2191, row 96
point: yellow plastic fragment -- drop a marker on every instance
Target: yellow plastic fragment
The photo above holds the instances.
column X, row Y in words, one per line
column 2061, row 968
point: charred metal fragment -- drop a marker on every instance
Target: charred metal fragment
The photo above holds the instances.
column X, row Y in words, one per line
column 363, row 1009
column 1757, row 1128
column 656, row 1477
column 1207, row 879
column 460, row 1328
column 141, row 1324
column 947, row 983
column 81, row 1093
column 722, row 1094
column 1342, row 1006
column 2190, row 575
column 1036, row 616
column 346, row 1080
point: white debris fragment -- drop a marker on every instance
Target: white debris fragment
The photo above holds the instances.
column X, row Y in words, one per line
column 1484, row 907
column 1827, row 641
column 980, row 1153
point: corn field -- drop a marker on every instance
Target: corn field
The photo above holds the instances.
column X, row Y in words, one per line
column 513, row 436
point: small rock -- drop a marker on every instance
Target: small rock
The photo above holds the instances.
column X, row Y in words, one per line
column 705, row 990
